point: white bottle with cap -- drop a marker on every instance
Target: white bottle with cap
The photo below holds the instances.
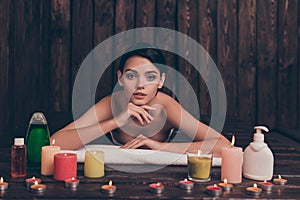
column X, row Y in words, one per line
column 258, row 158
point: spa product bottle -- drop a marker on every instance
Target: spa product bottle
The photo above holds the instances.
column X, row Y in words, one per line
column 258, row 158
column 37, row 136
column 18, row 158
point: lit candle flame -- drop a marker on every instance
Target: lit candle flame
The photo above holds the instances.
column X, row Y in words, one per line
column 279, row 176
column 199, row 152
column 265, row 181
column 225, row 180
column 232, row 140
column 110, row 183
column 72, row 178
column 33, row 177
column 255, row 185
column 36, row 182
column 185, row 180
column 66, row 154
column 53, row 142
column 1, row 180
column 215, row 185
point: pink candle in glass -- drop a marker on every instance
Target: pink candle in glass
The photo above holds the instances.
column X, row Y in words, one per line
column 232, row 161
column 65, row 166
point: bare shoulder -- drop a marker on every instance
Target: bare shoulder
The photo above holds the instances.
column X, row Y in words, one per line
column 166, row 99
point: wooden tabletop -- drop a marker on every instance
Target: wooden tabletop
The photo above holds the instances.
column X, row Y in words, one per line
column 135, row 185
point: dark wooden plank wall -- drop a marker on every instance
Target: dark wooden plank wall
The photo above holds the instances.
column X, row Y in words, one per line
column 255, row 44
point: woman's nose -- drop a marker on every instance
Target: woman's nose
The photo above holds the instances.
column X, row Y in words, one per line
column 141, row 82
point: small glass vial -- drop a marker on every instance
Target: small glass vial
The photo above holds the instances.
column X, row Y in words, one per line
column 18, row 158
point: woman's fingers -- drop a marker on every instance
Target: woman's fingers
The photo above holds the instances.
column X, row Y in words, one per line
column 135, row 143
column 140, row 112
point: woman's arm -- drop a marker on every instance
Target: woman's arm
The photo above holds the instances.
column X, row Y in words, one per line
column 205, row 137
column 94, row 123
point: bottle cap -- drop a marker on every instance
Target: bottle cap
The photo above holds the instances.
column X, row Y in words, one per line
column 38, row 118
column 19, row 141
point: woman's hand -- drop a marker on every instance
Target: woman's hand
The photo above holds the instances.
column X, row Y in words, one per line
column 140, row 113
column 143, row 141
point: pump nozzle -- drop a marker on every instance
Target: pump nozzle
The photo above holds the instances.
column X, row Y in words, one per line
column 259, row 128
column 258, row 136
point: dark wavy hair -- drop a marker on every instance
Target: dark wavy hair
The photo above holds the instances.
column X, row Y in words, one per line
column 144, row 50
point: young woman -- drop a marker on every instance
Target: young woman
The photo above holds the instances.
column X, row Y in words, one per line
column 140, row 115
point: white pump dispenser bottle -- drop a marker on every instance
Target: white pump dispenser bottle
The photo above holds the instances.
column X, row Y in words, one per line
column 258, row 158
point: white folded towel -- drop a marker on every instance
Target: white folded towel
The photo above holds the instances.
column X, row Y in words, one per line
column 115, row 155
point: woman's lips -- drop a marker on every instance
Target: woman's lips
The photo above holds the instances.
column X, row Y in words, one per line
column 139, row 95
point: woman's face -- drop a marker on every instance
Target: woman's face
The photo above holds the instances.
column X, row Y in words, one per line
column 140, row 80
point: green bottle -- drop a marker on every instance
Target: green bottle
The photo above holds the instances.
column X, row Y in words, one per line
column 38, row 135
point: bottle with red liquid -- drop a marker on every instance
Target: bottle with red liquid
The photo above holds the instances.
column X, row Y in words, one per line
column 18, row 158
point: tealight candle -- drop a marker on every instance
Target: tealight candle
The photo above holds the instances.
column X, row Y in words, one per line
column 254, row 190
column 3, row 185
column 226, row 186
column 186, row 184
column 37, row 188
column 30, row 181
column 72, row 183
column 156, row 188
column 214, row 190
column 109, row 189
column 279, row 180
column 265, row 185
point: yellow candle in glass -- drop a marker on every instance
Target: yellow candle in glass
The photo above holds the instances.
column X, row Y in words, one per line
column 199, row 165
column 94, row 164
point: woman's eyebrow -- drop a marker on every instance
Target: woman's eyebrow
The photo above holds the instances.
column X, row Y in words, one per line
column 131, row 70
column 149, row 72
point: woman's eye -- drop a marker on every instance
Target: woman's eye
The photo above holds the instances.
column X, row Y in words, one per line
column 130, row 76
column 151, row 77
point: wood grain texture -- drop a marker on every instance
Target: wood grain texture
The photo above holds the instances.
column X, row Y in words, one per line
column 166, row 18
column 207, row 37
column 247, row 60
column 227, row 51
column 254, row 43
column 29, row 56
column 287, row 63
column 187, row 24
column 82, row 34
column 4, row 65
column 60, row 89
column 266, row 62
column 145, row 17
column 103, row 29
